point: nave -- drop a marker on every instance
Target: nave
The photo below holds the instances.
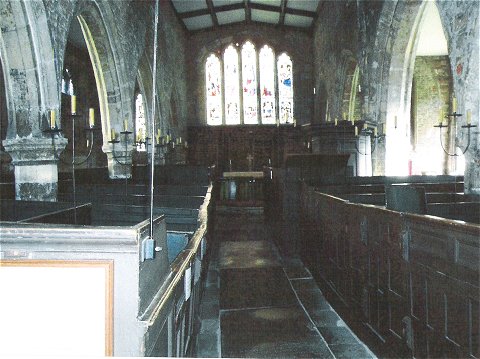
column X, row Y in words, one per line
column 260, row 304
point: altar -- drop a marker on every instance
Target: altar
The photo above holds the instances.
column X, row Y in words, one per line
column 243, row 187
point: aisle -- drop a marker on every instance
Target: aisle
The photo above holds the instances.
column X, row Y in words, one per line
column 257, row 305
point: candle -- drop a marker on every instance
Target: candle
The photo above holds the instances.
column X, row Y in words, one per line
column 113, row 135
column 364, row 126
column 356, row 131
column 186, row 144
column 91, row 117
column 326, row 112
column 454, row 104
column 180, row 140
column 395, row 122
column 441, row 117
column 336, row 121
column 344, row 116
column 469, row 117
column 125, row 125
column 74, row 104
column 353, row 122
column 375, row 131
column 384, row 129
column 52, row 119
column 140, row 135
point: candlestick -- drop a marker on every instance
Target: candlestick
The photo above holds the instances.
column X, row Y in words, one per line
column 74, row 104
column 469, row 117
column 52, row 119
column 454, row 104
column 91, row 117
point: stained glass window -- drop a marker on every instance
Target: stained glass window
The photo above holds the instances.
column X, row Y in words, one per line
column 140, row 124
column 232, row 86
column 255, row 87
column 249, row 77
column 214, row 95
column 267, row 85
column 285, row 91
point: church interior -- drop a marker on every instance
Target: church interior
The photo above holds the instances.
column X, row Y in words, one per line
column 240, row 178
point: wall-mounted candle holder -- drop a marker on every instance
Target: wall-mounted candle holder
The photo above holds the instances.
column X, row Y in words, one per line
column 454, row 115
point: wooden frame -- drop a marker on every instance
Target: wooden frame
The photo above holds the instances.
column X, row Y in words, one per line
column 107, row 265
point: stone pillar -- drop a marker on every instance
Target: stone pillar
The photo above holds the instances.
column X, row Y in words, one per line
column 35, row 161
column 119, row 160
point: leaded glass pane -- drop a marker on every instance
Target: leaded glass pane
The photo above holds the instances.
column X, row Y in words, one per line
column 214, row 94
column 232, row 86
column 285, row 88
column 267, row 85
column 249, row 75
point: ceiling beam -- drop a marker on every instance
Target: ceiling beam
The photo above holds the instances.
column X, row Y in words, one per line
column 283, row 6
column 279, row 10
column 248, row 13
column 213, row 14
column 182, row 24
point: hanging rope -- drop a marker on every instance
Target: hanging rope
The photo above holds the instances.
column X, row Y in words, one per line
column 154, row 91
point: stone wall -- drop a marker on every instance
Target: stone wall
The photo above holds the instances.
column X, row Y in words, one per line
column 297, row 44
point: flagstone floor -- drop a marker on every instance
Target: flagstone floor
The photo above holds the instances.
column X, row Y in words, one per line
column 258, row 304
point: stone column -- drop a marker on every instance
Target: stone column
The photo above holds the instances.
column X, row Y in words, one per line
column 119, row 160
column 35, row 161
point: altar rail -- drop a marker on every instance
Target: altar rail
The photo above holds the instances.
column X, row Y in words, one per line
column 412, row 280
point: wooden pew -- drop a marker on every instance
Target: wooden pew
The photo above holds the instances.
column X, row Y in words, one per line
column 149, row 308
column 412, row 280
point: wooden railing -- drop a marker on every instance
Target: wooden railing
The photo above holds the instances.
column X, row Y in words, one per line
column 413, row 280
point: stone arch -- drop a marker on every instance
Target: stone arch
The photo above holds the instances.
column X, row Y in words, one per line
column 108, row 71
column 28, row 61
column 397, row 32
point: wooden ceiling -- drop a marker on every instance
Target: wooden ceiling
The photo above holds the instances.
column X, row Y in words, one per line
column 206, row 14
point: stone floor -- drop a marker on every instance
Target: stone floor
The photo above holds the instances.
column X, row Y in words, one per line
column 258, row 304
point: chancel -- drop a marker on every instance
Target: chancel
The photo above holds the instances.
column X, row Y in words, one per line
column 240, row 178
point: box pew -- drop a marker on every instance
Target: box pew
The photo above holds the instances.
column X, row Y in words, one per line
column 7, row 190
column 412, row 280
column 96, row 290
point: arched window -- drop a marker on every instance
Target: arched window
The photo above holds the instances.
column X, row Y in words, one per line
column 249, row 76
column 255, row 72
column 267, row 84
column 285, row 90
column 140, row 124
column 214, row 95
column 232, row 90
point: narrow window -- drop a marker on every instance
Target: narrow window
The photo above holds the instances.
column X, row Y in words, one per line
column 285, row 89
column 232, row 90
column 267, row 85
column 249, row 75
column 140, row 124
column 214, row 95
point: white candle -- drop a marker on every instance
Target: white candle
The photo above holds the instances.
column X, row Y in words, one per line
column 52, row 119
column 91, row 117
column 469, row 117
column 74, row 104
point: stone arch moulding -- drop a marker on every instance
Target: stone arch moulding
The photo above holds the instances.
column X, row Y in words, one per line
column 401, row 21
column 104, row 58
column 28, row 61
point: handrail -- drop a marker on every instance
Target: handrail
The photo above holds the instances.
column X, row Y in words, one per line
column 182, row 262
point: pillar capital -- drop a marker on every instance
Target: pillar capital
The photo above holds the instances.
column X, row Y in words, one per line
column 119, row 160
column 35, row 161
